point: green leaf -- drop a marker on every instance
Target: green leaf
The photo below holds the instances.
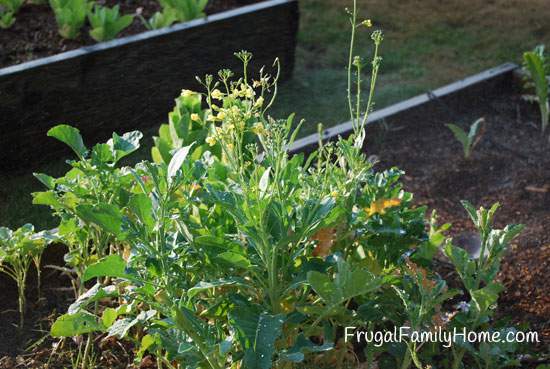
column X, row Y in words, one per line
column 106, row 216
column 235, row 259
column 95, row 293
column 142, row 207
column 121, row 327
column 260, row 354
column 46, row 180
column 109, row 266
column 146, row 342
column 102, row 153
column 462, row 137
column 177, row 161
column 126, row 144
column 47, row 198
column 472, row 212
column 487, row 296
column 70, row 325
column 70, row 136
column 348, row 283
column 264, row 182
column 202, row 286
column 304, row 346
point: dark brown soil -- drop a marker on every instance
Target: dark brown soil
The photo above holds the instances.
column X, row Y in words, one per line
column 511, row 165
column 34, row 34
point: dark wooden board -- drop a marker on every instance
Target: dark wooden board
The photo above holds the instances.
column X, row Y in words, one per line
column 130, row 83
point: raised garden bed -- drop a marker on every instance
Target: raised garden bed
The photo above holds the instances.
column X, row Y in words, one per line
column 130, row 82
column 509, row 165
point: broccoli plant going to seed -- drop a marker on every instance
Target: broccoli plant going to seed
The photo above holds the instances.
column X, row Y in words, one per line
column 70, row 16
column 537, row 78
column 468, row 140
column 18, row 249
column 107, row 23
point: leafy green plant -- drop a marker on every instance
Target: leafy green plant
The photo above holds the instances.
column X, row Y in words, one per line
column 107, row 23
column 186, row 124
column 479, row 275
column 468, row 140
column 70, row 16
column 162, row 19
column 185, row 10
column 7, row 19
column 537, row 75
column 93, row 185
column 18, row 249
column 8, row 9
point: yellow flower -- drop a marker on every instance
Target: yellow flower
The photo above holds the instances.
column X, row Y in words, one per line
column 211, row 141
column 210, row 118
column 186, row 93
column 367, row 23
column 230, row 146
column 334, row 194
column 217, row 94
column 380, row 206
column 249, row 93
column 221, row 115
column 258, row 128
column 195, row 117
column 259, row 102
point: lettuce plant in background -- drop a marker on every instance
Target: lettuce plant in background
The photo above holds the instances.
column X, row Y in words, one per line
column 185, row 10
column 107, row 23
column 8, row 10
column 70, row 16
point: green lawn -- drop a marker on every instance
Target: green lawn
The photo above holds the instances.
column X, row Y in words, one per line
column 427, row 43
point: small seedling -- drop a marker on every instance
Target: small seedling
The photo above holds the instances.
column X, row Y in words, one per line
column 107, row 22
column 70, row 16
column 18, row 249
column 468, row 140
column 537, row 77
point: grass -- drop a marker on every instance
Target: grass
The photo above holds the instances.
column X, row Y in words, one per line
column 427, row 43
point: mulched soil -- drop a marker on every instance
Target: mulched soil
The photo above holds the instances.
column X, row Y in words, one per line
column 510, row 165
column 34, row 34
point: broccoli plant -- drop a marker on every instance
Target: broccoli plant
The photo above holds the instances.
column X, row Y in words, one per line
column 186, row 124
column 107, row 23
column 468, row 140
column 70, row 16
column 94, row 184
column 18, row 249
column 479, row 275
column 537, row 77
